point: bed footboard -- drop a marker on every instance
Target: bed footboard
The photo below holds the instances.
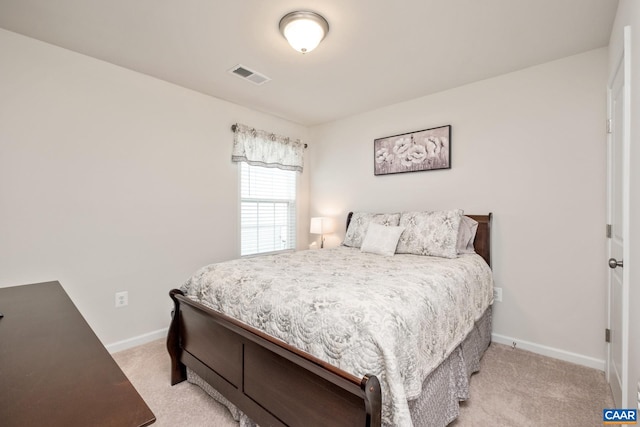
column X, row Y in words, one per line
column 272, row 382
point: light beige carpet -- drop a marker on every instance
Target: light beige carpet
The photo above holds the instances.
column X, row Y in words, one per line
column 513, row 388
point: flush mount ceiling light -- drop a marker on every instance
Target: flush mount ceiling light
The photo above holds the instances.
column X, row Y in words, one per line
column 304, row 30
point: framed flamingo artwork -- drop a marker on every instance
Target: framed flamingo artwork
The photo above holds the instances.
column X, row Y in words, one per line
column 423, row 150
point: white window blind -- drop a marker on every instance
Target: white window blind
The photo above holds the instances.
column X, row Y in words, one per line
column 268, row 209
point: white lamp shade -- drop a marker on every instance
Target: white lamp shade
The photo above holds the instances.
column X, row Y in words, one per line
column 316, row 226
column 321, row 225
column 304, row 30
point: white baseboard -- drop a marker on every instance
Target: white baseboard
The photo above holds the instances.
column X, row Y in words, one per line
column 136, row 341
column 567, row 356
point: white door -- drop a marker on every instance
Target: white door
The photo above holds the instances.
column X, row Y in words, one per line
column 618, row 220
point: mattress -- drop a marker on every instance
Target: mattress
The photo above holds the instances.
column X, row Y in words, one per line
column 394, row 317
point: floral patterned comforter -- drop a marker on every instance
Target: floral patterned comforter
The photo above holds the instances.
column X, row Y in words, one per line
column 394, row 317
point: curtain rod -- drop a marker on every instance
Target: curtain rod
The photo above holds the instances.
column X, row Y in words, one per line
column 235, row 126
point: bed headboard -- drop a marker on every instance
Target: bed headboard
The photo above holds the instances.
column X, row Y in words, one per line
column 482, row 242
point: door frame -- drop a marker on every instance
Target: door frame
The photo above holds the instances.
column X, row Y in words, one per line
column 623, row 64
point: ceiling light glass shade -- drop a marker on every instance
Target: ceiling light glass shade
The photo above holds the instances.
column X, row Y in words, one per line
column 304, row 30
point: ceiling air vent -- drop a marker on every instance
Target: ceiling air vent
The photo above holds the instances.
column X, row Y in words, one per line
column 247, row 74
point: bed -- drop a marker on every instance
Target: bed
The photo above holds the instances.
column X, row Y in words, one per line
column 268, row 378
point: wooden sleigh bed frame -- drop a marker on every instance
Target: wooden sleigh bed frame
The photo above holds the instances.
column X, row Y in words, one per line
column 272, row 382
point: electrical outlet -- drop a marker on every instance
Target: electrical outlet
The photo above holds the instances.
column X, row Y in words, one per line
column 497, row 294
column 122, row 299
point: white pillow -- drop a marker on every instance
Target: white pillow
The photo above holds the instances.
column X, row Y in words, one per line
column 360, row 224
column 466, row 235
column 381, row 240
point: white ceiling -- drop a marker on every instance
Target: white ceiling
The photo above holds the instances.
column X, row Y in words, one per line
column 376, row 53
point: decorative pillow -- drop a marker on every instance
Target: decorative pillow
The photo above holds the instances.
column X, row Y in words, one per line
column 466, row 235
column 430, row 233
column 381, row 240
column 360, row 223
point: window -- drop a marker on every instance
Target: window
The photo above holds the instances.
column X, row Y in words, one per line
column 267, row 209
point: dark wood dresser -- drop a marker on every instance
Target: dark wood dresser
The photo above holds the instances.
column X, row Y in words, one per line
column 53, row 369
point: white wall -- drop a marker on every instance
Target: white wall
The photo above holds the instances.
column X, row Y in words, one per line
column 112, row 180
column 629, row 14
column 530, row 147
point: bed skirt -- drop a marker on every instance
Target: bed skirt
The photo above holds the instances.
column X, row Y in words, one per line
column 442, row 390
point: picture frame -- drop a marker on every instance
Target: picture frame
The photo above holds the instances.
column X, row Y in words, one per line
column 423, row 150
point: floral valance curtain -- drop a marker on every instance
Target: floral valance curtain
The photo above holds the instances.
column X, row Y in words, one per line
column 261, row 148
